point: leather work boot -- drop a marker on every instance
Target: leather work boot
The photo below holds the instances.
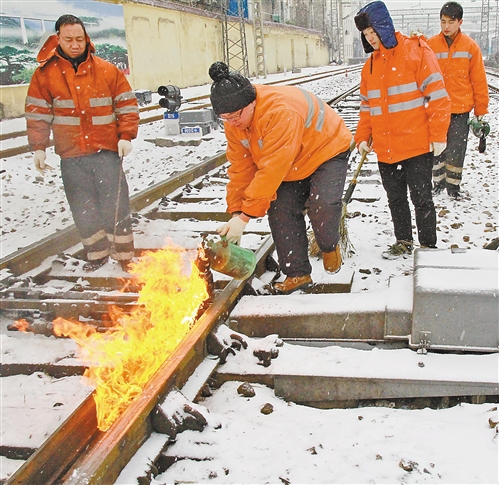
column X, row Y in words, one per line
column 294, row 283
column 332, row 260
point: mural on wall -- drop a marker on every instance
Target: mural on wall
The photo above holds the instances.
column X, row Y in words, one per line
column 24, row 25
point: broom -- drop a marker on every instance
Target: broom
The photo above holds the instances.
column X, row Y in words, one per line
column 346, row 246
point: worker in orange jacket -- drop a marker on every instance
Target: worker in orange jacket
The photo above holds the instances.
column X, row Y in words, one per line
column 288, row 152
column 93, row 113
column 405, row 111
column 461, row 62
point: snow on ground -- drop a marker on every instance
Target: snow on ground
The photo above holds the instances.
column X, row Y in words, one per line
column 300, row 445
column 296, row 444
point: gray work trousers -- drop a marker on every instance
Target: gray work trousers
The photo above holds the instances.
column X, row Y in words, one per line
column 448, row 166
column 320, row 197
column 100, row 207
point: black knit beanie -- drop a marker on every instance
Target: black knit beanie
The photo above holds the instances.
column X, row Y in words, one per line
column 230, row 90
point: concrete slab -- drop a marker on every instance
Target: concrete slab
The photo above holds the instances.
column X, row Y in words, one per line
column 320, row 316
column 456, row 300
column 318, row 376
column 456, row 258
column 399, row 303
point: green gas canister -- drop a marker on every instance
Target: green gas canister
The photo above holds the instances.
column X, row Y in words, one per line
column 230, row 259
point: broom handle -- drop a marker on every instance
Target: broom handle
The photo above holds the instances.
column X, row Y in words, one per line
column 351, row 187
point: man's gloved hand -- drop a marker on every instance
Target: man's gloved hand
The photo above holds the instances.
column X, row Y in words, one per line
column 437, row 148
column 482, row 118
column 124, row 148
column 233, row 230
column 39, row 160
column 364, row 147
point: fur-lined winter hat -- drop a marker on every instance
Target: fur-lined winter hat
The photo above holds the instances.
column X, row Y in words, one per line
column 230, row 90
column 376, row 16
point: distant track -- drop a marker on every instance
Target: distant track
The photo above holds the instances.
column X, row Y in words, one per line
column 188, row 104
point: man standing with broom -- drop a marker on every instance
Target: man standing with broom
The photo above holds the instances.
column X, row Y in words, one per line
column 288, row 152
column 406, row 109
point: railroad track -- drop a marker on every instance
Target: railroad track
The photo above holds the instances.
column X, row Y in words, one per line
column 28, row 293
column 493, row 76
column 75, row 450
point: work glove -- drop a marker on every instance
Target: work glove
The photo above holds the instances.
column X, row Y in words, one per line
column 437, row 148
column 482, row 118
column 233, row 230
column 39, row 160
column 124, row 148
column 364, row 147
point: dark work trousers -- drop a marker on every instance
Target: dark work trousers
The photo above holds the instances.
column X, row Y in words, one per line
column 319, row 196
column 415, row 174
column 448, row 166
column 91, row 186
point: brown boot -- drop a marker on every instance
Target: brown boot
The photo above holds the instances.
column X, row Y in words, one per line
column 294, row 283
column 332, row 260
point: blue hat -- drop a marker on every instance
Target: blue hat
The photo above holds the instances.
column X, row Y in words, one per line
column 376, row 16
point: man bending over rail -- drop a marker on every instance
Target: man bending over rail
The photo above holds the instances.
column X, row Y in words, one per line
column 288, row 152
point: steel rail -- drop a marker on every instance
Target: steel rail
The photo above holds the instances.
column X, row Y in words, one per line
column 79, row 453
column 493, row 88
column 344, row 95
column 33, row 255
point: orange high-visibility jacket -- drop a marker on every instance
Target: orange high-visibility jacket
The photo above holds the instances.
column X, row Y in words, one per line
column 88, row 111
column 464, row 73
column 404, row 104
column 292, row 133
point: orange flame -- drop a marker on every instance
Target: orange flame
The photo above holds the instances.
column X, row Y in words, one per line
column 22, row 325
column 120, row 362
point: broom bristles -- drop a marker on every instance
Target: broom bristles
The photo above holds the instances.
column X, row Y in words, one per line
column 346, row 246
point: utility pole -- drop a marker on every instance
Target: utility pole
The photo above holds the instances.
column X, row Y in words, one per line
column 259, row 39
column 496, row 32
column 336, row 38
column 484, row 28
column 341, row 30
column 234, row 36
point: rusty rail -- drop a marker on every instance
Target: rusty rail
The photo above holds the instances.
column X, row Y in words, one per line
column 79, row 453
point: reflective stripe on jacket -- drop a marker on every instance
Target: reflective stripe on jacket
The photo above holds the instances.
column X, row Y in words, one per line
column 88, row 111
column 464, row 73
column 404, row 104
column 291, row 134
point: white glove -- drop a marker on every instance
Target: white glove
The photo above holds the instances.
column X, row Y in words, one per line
column 233, row 230
column 364, row 147
column 437, row 148
column 39, row 160
column 482, row 118
column 124, row 148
